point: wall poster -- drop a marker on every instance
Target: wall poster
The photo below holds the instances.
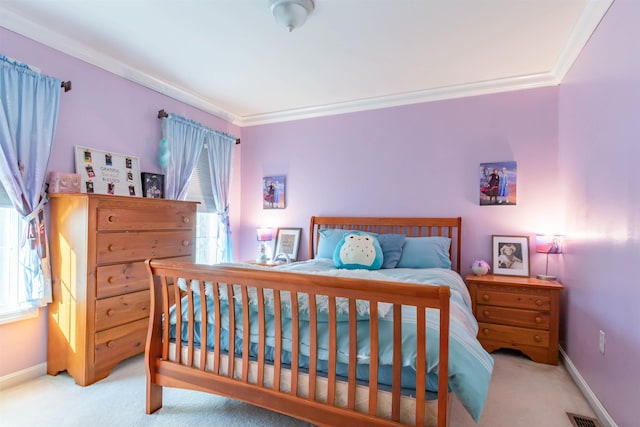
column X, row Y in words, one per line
column 104, row 172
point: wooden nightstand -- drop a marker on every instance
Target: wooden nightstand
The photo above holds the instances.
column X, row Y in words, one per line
column 521, row 313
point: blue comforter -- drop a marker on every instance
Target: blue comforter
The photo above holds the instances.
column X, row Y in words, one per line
column 470, row 366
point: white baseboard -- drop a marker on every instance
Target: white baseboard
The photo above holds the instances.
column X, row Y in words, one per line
column 593, row 400
column 24, row 375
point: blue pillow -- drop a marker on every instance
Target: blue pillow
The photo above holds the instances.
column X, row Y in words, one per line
column 425, row 252
column 391, row 245
column 358, row 250
column 329, row 239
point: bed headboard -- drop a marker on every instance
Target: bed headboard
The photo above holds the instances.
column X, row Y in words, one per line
column 412, row 227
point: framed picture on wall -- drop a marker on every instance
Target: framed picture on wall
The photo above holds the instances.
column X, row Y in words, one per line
column 510, row 255
column 273, row 192
column 498, row 184
column 288, row 242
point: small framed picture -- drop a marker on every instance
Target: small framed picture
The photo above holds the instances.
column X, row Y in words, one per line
column 288, row 242
column 510, row 255
column 273, row 192
column 152, row 185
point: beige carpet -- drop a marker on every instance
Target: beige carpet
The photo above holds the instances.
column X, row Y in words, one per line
column 522, row 393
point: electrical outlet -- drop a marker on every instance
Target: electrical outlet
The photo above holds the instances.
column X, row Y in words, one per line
column 601, row 342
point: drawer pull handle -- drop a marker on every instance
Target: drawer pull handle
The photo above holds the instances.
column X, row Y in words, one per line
column 110, row 279
column 538, row 302
column 186, row 219
column 537, row 338
column 110, row 344
column 485, row 331
column 110, row 248
column 110, row 312
column 111, row 218
column 185, row 243
column 538, row 319
column 485, row 297
column 486, row 313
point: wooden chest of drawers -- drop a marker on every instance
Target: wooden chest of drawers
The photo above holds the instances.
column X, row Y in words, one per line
column 521, row 313
column 100, row 307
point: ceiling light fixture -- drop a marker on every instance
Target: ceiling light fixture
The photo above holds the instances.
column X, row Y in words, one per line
column 291, row 13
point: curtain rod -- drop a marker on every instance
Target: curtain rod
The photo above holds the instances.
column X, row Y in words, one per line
column 66, row 85
column 163, row 114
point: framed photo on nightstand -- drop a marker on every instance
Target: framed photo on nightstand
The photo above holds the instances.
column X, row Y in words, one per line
column 287, row 242
column 510, row 255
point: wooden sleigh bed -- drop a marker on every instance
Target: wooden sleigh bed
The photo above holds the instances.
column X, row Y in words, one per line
column 253, row 367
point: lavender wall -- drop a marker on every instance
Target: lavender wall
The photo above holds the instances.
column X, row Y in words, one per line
column 598, row 159
column 103, row 111
column 418, row 160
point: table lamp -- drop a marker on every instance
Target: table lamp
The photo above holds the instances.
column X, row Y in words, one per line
column 548, row 244
column 265, row 235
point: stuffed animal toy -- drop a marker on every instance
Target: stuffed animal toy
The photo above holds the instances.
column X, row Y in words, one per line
column 358, row 250
column 480, row 267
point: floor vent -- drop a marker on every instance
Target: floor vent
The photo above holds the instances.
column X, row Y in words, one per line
column 582, row 421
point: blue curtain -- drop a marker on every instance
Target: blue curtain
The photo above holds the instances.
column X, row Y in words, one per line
column 221, row 148
column 183, row 139
column 29, row 103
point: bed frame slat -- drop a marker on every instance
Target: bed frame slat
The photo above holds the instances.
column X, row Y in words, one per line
column 295, row 343
column 353, row 342
column 313, row 353
column 217, row 330
column 373, row 357
column 397, row 362
column 246, row 332
column 277, row 363
column 232, row 329
column 331, row 391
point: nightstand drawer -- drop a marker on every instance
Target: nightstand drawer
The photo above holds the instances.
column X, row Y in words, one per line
column 513, row 317
column 515, row 300
column 512, row 335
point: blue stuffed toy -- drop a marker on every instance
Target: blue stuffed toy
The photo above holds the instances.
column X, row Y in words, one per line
column 358, row 250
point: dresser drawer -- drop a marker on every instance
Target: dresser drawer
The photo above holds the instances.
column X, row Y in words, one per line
column 513, row 317
column 512, row 335
column 113, row 345
column 121, row 279
column 134, row 246
column 515, row 300
column 152, row 218
column 118, row 310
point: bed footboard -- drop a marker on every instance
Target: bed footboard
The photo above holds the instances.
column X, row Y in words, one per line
column 273, row 321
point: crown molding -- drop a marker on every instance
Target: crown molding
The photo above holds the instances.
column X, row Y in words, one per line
column 18, row 24
column 593, row 13
column 438, row 94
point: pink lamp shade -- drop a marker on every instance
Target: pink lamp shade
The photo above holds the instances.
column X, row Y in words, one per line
column 265, row 234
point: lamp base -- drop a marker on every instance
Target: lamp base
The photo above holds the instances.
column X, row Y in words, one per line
column 546, row 277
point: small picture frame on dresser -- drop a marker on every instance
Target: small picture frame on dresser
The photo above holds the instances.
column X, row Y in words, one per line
column 510, row 255
column 152, row 185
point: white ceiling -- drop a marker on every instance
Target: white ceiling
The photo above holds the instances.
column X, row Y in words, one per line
column 230, row 57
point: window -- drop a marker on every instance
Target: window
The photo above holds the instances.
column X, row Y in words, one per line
column 9, row 240
column 207, row 219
